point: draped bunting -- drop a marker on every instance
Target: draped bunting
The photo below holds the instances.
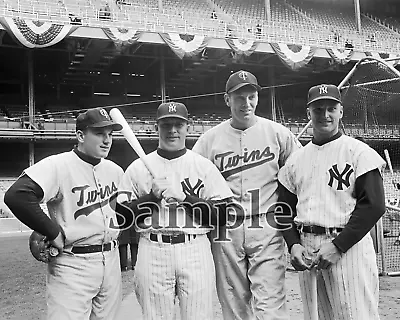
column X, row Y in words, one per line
column 36, row 34
column 384, row 56
column 293, row 60
column 183, row 48
column 246, row 47
column 122, row 37
column 341, row 56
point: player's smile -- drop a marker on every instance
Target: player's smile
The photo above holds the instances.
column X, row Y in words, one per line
column 325, row 116
column 243, row 103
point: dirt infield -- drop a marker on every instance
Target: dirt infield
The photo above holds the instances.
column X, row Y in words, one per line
column 23, row 287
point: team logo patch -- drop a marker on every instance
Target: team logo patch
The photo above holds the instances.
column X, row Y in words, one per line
column 191, row 190
column 104, row 114
column 172, row 108
column 242, row 75
column 323, row 89
column 342, row 178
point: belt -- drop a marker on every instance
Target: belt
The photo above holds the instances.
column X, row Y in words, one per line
column 95, row 248
column 174, row 239
column 251, row 216
column 319, row 230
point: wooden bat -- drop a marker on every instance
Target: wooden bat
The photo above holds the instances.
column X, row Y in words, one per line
column 129, row 135
column 389, row 162
column 314, row 294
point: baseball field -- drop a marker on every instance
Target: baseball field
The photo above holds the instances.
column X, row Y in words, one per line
column 22, row 282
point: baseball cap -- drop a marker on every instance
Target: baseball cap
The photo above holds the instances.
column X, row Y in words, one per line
column 324, row 91
column 172, row 110
column 240, row 79
column 96, row 118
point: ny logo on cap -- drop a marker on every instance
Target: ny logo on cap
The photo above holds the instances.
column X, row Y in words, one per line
column 323, row 89
column 242, row 75
column 172, row 107
column 104, row 114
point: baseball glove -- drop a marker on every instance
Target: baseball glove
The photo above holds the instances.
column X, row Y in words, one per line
column 40, row 247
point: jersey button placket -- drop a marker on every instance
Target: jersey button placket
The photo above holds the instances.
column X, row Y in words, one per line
column 243, row 178
column 98, row 186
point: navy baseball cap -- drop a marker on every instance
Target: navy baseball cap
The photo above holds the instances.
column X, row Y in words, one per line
column 96, row 118
column 172, row 110
column 324, row 91
column 240, row 79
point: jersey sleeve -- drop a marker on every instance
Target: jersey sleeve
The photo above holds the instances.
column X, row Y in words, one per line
column 200, row 147
column 369, row 160
column 128, row 189
column 286, row 176
column 289, row 145
column 217, row 187
column 45, row 174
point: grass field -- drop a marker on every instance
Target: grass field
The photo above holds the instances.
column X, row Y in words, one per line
column 22, row 282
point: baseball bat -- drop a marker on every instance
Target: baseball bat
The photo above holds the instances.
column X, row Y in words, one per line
column 118, row 117
column 389, row 162
column 314, row 294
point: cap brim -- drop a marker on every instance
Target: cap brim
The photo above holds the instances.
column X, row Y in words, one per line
column 172, row 116
column 103, row 124
column 240, row 85
column 323, row 98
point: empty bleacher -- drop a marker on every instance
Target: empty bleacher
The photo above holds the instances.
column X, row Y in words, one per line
column 249, row 9
column 339, row 16
column 188, row 9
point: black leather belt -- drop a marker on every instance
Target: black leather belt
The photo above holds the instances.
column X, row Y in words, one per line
column 174, row 239
column 95, row 248
column 319, row 230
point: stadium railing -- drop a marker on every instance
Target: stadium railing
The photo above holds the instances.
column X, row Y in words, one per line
column 155, row 21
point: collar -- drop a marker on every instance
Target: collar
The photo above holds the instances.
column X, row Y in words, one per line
column 321, row 143
column 84, row 157
column 171, row 154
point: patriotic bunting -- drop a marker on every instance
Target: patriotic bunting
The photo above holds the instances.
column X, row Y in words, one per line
column 384, row 56
column 241, row 46
column 36, row 34
column 183, row 48
column 294, row 60
column 341, row 56
column 122, row 37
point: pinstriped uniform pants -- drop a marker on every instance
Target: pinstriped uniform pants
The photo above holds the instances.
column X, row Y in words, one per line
column 348, row 290
column 182, row 273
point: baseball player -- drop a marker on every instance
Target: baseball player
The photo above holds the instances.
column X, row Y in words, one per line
column 335, row 191
column 84, row 280
column 249, row 150
column 174, row 212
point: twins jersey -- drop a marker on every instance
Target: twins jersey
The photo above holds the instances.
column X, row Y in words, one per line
column 78, row 196
column 323, row 178
column 249, row 159
column 196, row 176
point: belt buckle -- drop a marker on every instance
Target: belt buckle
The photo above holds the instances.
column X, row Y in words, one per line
column 300, row 228
column 334, row 232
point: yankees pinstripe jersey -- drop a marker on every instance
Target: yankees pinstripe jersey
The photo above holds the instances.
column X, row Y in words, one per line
column 77, row 195
column 261, row 151
column 197, row 176
column 323, row 178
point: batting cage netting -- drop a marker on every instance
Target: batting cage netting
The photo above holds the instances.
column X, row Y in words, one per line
column 371, row 98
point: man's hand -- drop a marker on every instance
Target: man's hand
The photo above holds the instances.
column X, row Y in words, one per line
column 328, row 255
column 298, row 257
column 159, row 186
column 169, row 189
column 58, row 242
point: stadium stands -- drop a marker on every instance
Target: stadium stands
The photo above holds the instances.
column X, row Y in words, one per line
column 250, row 9
column 339, row 16
column 291, row 23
